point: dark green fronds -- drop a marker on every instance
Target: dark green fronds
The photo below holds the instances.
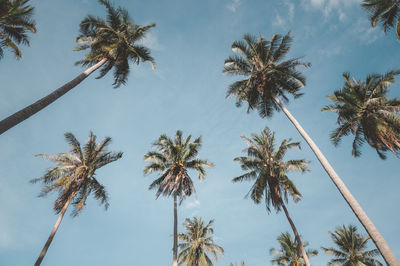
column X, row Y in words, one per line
column 197, row 244
column 289, row 252
column 364, row 111
column 15, row 21
column 352, row 248
column 172, row 158
column 264, row 164
column 116, row 39
column 384, row 12
column 267, row 76
column 74, row 173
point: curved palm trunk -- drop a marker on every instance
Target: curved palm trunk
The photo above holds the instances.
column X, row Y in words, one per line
column 175, row 247
column 296, row 235
column 379, row 241
column 53, row 232
column 32, row 109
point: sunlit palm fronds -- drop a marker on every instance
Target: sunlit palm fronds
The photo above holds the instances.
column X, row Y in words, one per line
column 365, row 111
column 15, row 21
column 264, row 164
column 267, row 75
column 288, row 254
column 173, row 158
column 75, row 172
column 197, row 244
column 352, row 248
column 115, row 38
column 385, row 12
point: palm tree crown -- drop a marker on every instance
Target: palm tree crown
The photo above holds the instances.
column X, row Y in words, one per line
column 265, row 165
column 364, row 111
column 114, row 39
column 385, row 12
column 352, row 248
column 15, row 21
column 74, row 174
column 267, row 75
column 197, row 242
column 288, row 254
column 173, row 158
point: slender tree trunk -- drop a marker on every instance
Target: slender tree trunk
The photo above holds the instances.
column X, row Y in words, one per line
column 53, row 232
column 32, row 109
column 296, row 235
column 379, row 241
column 175, row 247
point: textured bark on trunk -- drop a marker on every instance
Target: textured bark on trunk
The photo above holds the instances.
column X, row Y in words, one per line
column 175, row 247
column 373, row 232
column 53, row 232
column 32, row 109
column 296, row 235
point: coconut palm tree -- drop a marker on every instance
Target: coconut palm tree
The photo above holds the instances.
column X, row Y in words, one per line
column 364, row 111
column 269, row 78
column 15, row 21
column 112, row 43
column 264, row 164
column 197, row 242
column 352, row 248
column 385, row 12
column 173, row 158
column 288, row 254
column 74, row 178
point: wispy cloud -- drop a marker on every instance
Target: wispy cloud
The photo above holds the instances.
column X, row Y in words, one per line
column 331, row 6
column 192, row 204
column 151, row 41
column 233, row 6
column 279, row 21
column 365, row 33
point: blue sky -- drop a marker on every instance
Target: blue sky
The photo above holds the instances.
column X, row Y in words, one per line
column 187, row 91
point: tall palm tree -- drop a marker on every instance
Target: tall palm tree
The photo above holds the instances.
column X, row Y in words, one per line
column 364, row 111
column 387, row 12
column 352, row 248
column 268, row 78
column 74, row 178
column 197, row 242
column 265, row 165
column 15, row 21
column 173, row 158
column 112, row 43
column 288, row 254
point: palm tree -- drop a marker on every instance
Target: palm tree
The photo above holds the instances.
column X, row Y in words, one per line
column 112, row 43
column 265, row 165
column 364, row 111
column 74, row 178
column 352, row 248
column 15, row 21
column 288, row 254
column 173, row 158
column 197, row 242
column 267, row 79
column 384, row 11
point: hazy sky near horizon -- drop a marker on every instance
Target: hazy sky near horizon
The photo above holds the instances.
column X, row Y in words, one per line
column 187, row 91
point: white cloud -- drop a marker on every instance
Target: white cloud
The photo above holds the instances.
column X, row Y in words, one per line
column 365, row 32
column 289, row 10
column 192, row 204
column 278, row 21
column 233, row 6
column 329, row 6
column 151, row 41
